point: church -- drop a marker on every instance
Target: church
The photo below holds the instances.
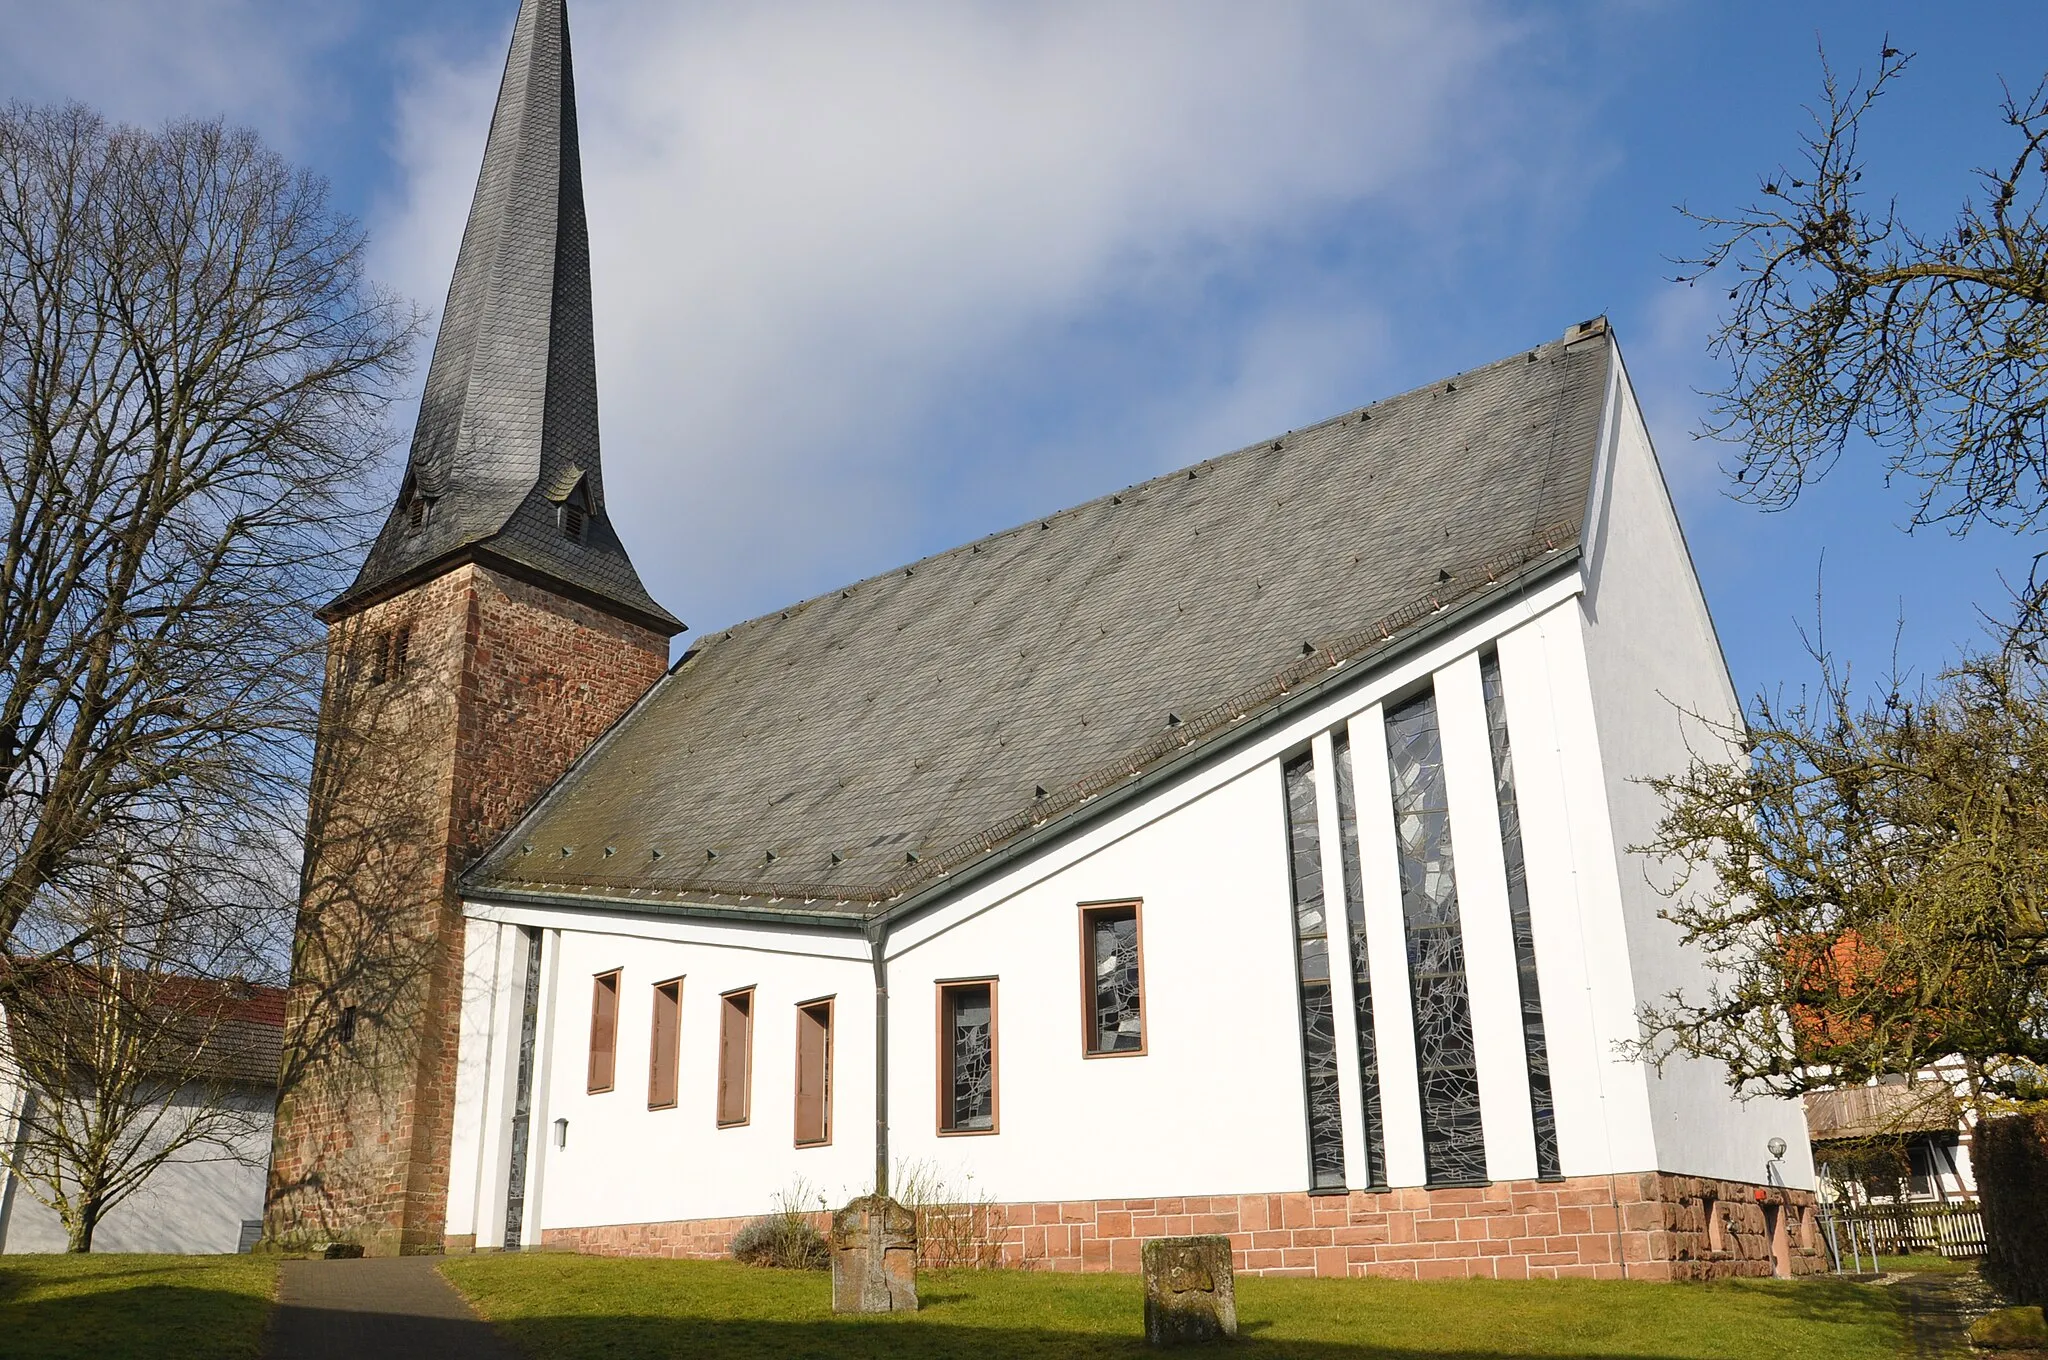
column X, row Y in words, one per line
column 1246, row 851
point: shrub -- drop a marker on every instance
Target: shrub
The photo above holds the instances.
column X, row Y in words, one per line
column 784, row 1239
column 2011, row 1158
column 958, row 1228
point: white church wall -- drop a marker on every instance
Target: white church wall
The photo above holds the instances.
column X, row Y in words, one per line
column 1214, row 1104
column 625, row 1163
column 1652, row 658
column 1208, row 858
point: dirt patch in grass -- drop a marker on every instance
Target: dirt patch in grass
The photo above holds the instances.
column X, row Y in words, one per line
column 160, row 1307
column 570, row 1307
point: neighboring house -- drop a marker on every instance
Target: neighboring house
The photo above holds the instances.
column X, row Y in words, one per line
column 1243, row 852
column 207, row 1197
column 1893, row 1142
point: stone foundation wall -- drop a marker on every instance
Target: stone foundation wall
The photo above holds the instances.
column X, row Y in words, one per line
column 1651, row 1226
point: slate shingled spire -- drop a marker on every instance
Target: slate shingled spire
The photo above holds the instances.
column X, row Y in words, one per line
column 504, row 467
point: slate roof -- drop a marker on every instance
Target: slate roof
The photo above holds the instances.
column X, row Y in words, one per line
column 841, row 754
column 510, row 407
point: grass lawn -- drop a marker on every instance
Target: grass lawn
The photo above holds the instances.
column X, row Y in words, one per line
column 569, row 1307
column 160, row 1307
column 1927, row 1262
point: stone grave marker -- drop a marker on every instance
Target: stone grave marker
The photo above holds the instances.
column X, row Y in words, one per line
column 874, row 1257
column 1190, row 1292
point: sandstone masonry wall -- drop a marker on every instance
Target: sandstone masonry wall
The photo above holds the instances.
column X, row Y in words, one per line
column 1646, row 1227
column 421, row 764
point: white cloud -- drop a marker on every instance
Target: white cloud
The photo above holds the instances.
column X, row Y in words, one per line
column 143, row 61
column 815, row 225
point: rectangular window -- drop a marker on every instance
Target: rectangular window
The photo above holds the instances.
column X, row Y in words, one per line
column 1312, row 958
column 735, row 1057
column 1111, row 964
column 604, row 1030
column 967, row 1057
column 663, row 1044
column 1361, row 970
column 814, row 1073
column 1542, row 1108
column 1446, row 1065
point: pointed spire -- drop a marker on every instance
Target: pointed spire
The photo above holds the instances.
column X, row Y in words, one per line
column 504, row 464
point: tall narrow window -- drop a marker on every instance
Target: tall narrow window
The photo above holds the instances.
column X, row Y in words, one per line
column 604, row 1030
column 664, row 1044
column 1453, row 1141
column 967, row 1057
column 1542, row 1108
column 1312, row 954
column 735, row 1056
column 1361, row 972
column 1110, row 980
column 814, row 1073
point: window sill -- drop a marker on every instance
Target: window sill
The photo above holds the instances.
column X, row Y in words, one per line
column 968, row 1133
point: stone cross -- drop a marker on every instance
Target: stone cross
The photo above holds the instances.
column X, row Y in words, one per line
column 1190, row 1293
column 874, row 1257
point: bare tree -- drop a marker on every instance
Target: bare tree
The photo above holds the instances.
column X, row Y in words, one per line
column 1870, row 886
column 141, row 1047
column 1847, row 321
column 193, row 375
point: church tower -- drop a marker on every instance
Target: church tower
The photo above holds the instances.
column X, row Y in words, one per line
column 496, row 628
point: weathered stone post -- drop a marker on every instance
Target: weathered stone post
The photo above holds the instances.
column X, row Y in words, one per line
column 874, row 1257
column 1190, row 1292
column 1190, row 1295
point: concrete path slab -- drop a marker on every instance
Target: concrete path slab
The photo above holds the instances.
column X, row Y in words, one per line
column 384, row 1308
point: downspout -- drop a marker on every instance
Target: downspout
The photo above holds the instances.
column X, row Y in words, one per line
column 878, row 936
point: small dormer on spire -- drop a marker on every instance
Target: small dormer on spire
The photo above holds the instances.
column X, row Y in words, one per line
column 504, row 468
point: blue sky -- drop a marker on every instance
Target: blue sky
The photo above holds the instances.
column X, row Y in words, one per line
column 874, row 280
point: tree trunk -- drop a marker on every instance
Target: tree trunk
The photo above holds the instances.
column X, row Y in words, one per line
column 82, row 1227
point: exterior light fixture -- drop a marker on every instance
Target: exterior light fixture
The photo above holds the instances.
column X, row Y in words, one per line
column 1777, row 1147
column 561, row 1133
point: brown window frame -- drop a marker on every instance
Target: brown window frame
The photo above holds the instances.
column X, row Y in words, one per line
column 675, row 1047
column 746, row 1115
column 597, row 991
column 943, row 1094
column 828, row 1005
column 1089, row 912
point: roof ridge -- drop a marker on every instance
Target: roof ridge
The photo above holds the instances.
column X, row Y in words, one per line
column 1265, row 445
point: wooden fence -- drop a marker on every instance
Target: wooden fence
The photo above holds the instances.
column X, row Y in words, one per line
column 1901, row 1229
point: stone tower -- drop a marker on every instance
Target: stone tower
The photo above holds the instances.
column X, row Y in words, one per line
column 495, row 630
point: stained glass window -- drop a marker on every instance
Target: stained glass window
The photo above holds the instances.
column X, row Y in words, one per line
column 1116, row 1019
column 1318, row 1009
column 967, row 1019
column 1361, row 975
column 1453, row 1141
column 1542, row 1108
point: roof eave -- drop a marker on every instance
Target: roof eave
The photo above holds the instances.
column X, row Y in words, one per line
column 478, row 551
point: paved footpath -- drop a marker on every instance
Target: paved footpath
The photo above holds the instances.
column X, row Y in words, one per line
column 383, row 1308
column 1941, row 1308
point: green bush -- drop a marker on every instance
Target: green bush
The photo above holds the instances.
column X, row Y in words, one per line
column 786, row 1239
column 2011, row 1329
column 2011, row 1158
